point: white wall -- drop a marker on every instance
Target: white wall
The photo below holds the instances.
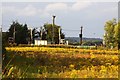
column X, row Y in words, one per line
column 40, row 42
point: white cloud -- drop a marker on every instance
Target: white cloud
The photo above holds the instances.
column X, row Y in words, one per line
column 103, row 11
column 77, row 6
column 57, row 0
column 49, row 9
column 80, row 5
column 28, row 11
column 56, row 7
column 8, row 9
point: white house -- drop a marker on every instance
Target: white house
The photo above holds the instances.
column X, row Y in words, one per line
column 40, row 42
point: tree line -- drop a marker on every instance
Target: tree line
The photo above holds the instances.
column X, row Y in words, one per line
column 22, row 35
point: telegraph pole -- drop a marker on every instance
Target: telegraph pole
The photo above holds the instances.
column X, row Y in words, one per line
column 41, row 31
column 31, row 35
column 30, row 30
column 14, row 34
column 59, row 35
column 53, row 28
column 81, row 35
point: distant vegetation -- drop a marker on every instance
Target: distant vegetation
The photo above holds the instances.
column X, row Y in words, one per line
column 22, row 35
column 111, row 38
column 86, row 41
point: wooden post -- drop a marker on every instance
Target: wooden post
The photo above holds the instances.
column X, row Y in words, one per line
column 53, row 29
column 81, row 35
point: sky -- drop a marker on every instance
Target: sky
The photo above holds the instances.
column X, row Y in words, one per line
column 92, row 15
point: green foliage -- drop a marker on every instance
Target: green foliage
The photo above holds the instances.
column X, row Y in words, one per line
column 49, row 29
column 117, row 34
column 92, row 43
column 112, row 33
column 21, row 32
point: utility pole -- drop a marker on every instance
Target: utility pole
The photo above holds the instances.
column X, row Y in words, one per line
column 81, row 35
column 30, row 30
column 41, row 31
column 14, row 34
column 59, row 35
column 53, row 28
column 31, row 35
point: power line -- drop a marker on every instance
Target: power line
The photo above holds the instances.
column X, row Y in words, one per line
column 69, row 30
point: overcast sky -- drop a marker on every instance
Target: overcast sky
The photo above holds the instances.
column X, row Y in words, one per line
column 69, row 15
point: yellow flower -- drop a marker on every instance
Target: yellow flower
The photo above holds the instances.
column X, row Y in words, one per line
column 71, row 66
column 92, row 55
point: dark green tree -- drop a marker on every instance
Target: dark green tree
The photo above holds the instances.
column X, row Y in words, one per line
column 49, row 32
column 21, row 32
column 35, row 34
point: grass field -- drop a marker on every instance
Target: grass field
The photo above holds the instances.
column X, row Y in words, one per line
column 47, row 62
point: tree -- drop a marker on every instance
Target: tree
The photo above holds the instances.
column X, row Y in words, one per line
column 35, row 34
column 117, row 35
column 43, row 33
column 19, row 32
column 49, row 32
column 109, row 33
column 112, row 33
column 24, row 33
